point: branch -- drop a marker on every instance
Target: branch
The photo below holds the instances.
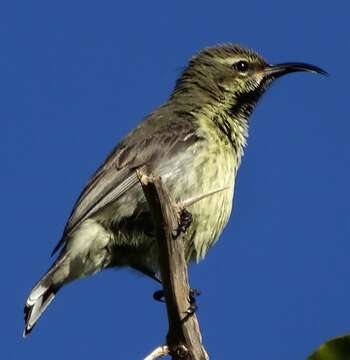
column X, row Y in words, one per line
column 184, row 338
column 157, row 353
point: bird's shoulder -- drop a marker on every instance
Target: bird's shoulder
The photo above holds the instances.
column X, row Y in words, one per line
column 159, row 135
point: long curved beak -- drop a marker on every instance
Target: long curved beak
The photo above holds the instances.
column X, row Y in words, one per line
column 287, row 68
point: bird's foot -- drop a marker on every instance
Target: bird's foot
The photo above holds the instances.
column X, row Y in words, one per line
column 160, row 296
column 193, row 303
column 185, row 221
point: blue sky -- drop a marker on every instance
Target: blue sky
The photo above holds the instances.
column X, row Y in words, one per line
column 77, row 76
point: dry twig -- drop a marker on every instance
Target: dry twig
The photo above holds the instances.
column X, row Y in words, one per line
column 184, row 338
column 158, row 352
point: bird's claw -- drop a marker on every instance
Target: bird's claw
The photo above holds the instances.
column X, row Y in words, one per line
column 193, row 294
column 192, row 300
column 191, row 310
column 160, row 296
column 184, row 222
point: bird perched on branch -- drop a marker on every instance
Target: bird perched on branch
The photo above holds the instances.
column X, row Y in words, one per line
column 195, row 142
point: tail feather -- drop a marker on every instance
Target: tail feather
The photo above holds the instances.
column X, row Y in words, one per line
column 38, row 300
column 41, row 295
column 85, row 255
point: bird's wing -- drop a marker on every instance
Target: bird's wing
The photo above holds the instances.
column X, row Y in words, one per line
column 118, row 174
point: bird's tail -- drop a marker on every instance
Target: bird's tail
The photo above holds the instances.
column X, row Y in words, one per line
column 41, row 296
column 85, row 254
column 37, row 302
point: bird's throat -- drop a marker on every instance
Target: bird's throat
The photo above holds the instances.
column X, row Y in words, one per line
column 225, row 125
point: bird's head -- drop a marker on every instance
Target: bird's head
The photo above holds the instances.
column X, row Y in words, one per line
column 234, row 75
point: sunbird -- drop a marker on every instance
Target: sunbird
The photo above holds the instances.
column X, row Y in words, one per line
column 195, row 142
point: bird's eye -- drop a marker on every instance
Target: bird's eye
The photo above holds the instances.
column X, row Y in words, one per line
column 241, row 66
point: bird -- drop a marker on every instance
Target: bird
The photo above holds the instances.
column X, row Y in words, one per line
column 195, row 142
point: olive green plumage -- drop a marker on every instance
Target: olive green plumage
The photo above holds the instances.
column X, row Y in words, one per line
column 195, row 142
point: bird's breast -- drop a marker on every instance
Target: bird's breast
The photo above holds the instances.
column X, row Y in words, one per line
column 202, row 168
column 214, row 167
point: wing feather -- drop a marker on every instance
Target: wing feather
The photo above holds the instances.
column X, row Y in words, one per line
column 118, row 174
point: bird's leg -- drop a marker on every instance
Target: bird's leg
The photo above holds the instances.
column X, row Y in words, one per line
column 184, row 222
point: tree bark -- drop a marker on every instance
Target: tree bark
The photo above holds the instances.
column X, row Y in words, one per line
column 184, row 339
